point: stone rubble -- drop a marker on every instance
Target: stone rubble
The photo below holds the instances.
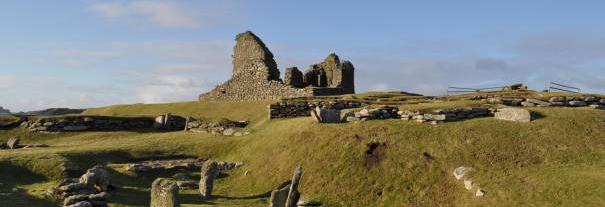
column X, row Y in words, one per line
column 89, row 190
column 224, row 127
column 184, row 163
column 304, row 108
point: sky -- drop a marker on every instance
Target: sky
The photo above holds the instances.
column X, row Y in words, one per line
column 88, row 53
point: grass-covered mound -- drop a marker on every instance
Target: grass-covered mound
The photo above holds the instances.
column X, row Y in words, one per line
column 556, row 160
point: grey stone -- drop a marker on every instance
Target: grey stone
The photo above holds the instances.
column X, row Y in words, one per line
column 208, row 173
column 229, row 131
column 308, row 203
column 590, row 99
column 75, row 128
column 538, row 102
column 513, row 114
column 96, row 177
column 468, row 184
column 81, row 204
column 293, row 194
column 527, row 104
column 13, row 143
column 577, row 103
column 328, row 115
column 279, row 196
column 596, row 106
column 435, row 117
column 480, row 193
column 557, row 99
column 460, row 172
column 74, row 199
column 164, row 193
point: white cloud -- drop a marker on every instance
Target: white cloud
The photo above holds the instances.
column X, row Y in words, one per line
column 169, row 89
column 162, row 13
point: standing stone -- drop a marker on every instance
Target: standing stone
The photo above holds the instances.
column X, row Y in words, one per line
column 513, row 114
column 164, row 193
column 187, row 123
column 280, row 195
column 13, row 143
column 209, row 172
column 293, row 77
column 328, row 115
column 294, row 195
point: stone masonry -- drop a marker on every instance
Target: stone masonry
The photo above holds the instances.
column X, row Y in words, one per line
column 256, row 76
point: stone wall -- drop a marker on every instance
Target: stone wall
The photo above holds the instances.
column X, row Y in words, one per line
column 101, row 123
column 256, row 77
column 302, row 109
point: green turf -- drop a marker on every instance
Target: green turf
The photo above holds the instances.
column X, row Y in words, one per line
column 556, row 160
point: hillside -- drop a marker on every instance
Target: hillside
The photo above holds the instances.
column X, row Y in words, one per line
column 556, row 160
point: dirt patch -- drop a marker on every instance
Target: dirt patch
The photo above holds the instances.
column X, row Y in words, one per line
column 374, row 154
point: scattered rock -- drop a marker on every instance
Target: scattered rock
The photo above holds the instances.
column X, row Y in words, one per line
column 513, row 114
column 480, row 193
column 596, row 106
column 527, row 104
column 308, row 203
column 468, row 184
column 460, row 172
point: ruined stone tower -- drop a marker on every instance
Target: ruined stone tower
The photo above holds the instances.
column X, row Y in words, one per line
column 256, row 77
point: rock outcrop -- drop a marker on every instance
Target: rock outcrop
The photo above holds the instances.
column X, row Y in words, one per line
column 256, row 77
column 513, row 114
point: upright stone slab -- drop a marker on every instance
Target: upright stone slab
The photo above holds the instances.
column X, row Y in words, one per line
column 209, row 172
column 13, row 143
column 164, row 193
column 293, row 194
column 279, row 196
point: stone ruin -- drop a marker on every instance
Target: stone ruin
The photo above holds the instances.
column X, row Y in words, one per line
column 256, row 77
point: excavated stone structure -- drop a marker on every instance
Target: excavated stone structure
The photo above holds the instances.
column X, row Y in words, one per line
column 256, row 77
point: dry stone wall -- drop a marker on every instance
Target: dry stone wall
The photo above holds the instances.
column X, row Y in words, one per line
column 302, row 109
column 103, row 123
column 256, row 77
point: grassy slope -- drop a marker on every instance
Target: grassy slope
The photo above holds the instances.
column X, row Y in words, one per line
column 553, row 161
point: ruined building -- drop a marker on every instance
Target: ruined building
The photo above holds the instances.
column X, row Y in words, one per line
column 256, row 77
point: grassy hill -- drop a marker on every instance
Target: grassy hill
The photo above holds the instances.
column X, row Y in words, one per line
column 556, row 160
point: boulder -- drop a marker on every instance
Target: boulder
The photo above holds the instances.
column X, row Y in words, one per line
column 13, row 143
column 513, row 114
column 164, row 193
column 597, row 106
column 590, row 99
column 308, row 203
column 527, row 104
column 96, row 177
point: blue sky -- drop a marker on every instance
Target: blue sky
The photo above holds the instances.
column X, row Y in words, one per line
column 93, row 53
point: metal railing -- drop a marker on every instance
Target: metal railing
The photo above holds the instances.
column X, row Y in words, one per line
column 561, row 87
column 461, row 90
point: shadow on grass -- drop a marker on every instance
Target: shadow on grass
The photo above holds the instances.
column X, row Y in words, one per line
column 536, row 115
column 11, row 177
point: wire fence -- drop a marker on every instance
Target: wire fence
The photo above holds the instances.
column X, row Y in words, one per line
column 552, row 86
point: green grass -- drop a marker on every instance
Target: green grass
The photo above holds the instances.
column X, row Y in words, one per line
column 556, row 160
